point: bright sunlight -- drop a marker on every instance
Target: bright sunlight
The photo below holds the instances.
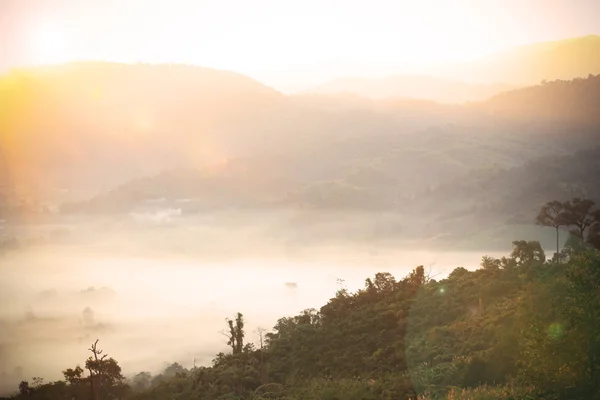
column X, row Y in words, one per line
column 51, row 45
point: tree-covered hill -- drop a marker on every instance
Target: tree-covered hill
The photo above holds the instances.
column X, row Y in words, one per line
column 463, row 206
column 520, row 327
column 560, row 101
column 121, row 122
column 488, row 198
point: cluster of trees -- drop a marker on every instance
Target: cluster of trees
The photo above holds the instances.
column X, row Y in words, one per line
column 104, row 380
column 579, row 215
column 520, row 327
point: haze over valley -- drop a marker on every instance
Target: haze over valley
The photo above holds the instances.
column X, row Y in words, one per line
column 145, row 197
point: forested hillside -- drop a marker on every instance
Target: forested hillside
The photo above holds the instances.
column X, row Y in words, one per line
column 122, row 122
column 560, row 101
column 520, row 327
column 509, row 196
column 456, row 209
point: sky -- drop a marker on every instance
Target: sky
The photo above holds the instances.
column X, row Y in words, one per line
column 284, row 43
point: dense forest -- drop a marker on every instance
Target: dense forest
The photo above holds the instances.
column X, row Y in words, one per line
column 519, row 327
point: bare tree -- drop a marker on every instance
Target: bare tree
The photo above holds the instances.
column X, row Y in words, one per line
column 92, row 366
column 260, row 332
column 263, row 366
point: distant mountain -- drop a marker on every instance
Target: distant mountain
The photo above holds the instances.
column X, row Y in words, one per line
column 116, row 121
column 529, row 65
column 478, row 80
column 72, row 131
column 412, row 86
column 573, row 102
column 82, row 130
column 361, row 158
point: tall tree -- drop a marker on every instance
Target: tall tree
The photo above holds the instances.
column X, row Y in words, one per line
column 239, row 332
column 594, row 232
column 105, row 375
column 552, row 214
column 580, row 214
column 236, row 333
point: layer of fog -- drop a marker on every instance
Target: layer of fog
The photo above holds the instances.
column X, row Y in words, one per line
column 157, row 287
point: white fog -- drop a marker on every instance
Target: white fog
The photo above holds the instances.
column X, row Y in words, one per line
column 156, row 289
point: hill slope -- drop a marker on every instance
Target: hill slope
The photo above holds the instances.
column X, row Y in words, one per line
column 434, row 170
column 126, row 120
column 518, row 328
column 479, row 200
column 573, row 102
column 529, row 65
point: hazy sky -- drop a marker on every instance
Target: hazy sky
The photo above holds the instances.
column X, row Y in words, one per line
column 284, row 42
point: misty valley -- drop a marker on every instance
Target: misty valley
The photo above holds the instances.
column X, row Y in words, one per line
column 170, row 231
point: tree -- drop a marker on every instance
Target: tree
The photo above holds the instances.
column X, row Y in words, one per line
column 105, row 374
column 594, row 232
column 263, row 367
column 489, row 263
column 236, row 333
column 73, row 376
column 417, row 277
column 173, row 370
column 552, row 214
column 579, row 213
column 239, row 332
column 24, row 388
column 526, row 253
column 260, row 332
column 37, row 382
column 142, row 381
column 384, row 282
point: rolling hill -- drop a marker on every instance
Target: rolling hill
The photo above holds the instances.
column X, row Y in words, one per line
column 561, row 101
column 116, row 122
column 214, row 139
column 531, row 64
column 497, row 169
column 459, row 179
column 484, row 78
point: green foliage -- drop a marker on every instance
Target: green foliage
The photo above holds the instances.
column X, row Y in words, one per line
column 520, row 327
column 485, row 392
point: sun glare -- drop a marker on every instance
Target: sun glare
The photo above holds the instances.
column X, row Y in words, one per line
column 50, row 45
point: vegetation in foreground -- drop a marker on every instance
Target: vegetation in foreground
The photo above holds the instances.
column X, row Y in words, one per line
column 520, row 327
